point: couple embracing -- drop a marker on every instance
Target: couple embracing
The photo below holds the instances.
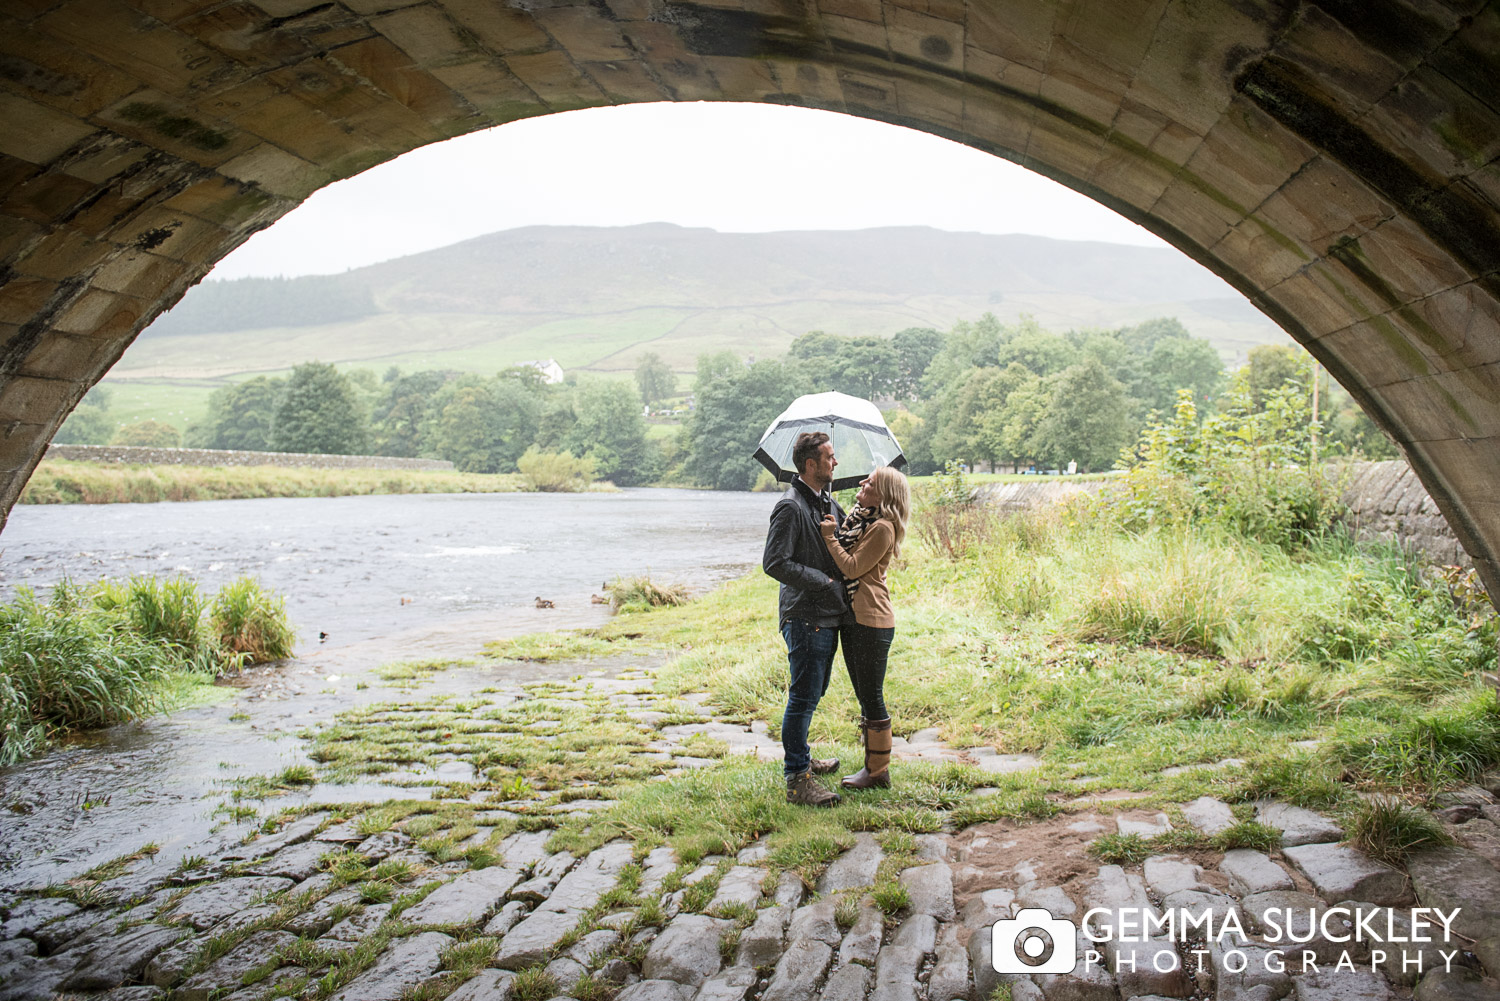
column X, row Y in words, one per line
column 832, row 570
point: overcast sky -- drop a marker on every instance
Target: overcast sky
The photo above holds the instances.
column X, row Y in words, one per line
column 730, row 167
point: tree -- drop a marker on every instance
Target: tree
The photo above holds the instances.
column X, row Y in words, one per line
column 611, row 431
column 240, row 416
column 403, row 411
column 1088, row 418
column 967, row 416
column 149, row 433
column 865, row 366
column 1271, row 366
column 915, row 349
column 1183, row 363
column 713, row 366
column 733, row 411
column 319, row 412
column 484, row 425
column 654, row 378
column 89, row 423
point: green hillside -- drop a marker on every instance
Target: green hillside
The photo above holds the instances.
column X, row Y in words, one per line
column 595, row 299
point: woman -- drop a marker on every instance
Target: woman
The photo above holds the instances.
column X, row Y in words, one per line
column 870, row 538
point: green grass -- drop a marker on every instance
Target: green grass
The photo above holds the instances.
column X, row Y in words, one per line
column 102, row 654
column 1327, row 675
column 59, row 482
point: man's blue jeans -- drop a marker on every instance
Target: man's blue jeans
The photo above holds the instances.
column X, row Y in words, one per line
column 809, row 653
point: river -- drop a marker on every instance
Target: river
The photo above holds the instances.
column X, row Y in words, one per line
column 360, row 568
column 469, row 568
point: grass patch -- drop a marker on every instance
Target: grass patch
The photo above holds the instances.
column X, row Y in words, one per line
column 639, row 594
column 1389, row 830
column 60, row 482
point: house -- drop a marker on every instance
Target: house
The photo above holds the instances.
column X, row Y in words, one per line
column 552, row 372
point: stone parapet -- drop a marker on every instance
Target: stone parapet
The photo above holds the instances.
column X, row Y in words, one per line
column 145, row 456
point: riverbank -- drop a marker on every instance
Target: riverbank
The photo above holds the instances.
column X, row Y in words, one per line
column 61, row 482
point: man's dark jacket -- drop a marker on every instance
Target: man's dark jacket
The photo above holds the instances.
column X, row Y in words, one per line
column 812, row 588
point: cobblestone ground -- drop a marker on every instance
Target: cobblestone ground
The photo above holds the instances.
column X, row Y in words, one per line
column 353, row 905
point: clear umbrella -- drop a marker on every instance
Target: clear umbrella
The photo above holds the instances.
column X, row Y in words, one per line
column 861, row 441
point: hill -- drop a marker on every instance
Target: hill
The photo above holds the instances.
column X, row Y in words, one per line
column 596, row 298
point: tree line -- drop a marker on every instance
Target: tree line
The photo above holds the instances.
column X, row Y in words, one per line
column 985, row 394
column 1006, row 396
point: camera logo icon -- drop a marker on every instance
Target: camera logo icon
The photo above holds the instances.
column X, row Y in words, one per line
column 1033, row 942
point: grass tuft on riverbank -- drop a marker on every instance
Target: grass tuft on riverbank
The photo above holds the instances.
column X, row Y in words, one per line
column 59, row 482
column 95, row 655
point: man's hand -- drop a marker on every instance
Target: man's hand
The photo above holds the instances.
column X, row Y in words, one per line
column 828, row 526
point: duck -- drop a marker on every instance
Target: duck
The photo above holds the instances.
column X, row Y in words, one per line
column 598, row 599
column 406, row 601
column 544, row 603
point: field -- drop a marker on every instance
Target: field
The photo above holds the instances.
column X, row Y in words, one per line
column 57, row 482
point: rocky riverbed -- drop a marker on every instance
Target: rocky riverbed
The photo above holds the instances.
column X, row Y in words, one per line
column 455, row 892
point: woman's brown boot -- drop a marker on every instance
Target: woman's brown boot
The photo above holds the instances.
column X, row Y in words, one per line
column 877, row 741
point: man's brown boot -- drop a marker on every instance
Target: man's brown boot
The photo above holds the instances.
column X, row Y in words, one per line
column 807, row 791
column 877, row 741
column 822, row 766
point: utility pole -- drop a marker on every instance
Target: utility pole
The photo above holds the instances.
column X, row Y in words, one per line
column 1317, row 374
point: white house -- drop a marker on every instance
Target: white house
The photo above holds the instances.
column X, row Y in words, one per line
column 552, row 372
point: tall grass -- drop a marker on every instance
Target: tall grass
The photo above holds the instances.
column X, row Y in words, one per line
column 251, row 622
column 60, row 482
column 64, row 668
column 101, row 654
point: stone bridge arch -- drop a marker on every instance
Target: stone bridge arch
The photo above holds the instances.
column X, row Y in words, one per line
column 1335, row 160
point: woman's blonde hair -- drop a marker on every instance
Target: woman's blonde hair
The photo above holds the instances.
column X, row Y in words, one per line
column 895, row 502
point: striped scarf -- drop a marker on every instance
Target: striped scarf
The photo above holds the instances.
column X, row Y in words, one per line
column 855, row 522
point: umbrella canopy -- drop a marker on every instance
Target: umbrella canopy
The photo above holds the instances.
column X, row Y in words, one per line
column 861, row 441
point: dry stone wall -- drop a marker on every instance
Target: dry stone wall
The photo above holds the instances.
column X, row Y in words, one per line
column 1385, row 501
column 144, row 456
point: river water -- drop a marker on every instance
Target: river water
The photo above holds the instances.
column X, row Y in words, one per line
column 359, row 568
column 468, row 566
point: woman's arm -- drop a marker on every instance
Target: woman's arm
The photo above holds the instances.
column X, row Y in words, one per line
column 868, row 551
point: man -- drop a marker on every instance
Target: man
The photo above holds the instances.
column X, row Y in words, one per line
column 812, row 606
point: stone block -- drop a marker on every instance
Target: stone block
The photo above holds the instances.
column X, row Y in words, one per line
column 120, row 958
column 211, row 903
column 231, row 968
column 687, row 951
column 404, row 964
column 815, row 922
column 1250, row 871
column 861, row 943
column 1458, row 878
column 469, row 899
column 1338, row 872
column 930, row 888
column 734, row 984
column 530, row 940
column 760, row 944
column 855, row 868
column 1209, row 815
column 798, row 971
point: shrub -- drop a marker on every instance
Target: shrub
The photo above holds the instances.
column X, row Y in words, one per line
column 554, row 472
column 150, row 433
column 249, row 621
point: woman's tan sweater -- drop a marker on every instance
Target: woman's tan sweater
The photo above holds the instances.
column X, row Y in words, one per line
column 867, row 562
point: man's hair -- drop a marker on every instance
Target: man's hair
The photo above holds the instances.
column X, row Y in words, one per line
column 808, row 443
